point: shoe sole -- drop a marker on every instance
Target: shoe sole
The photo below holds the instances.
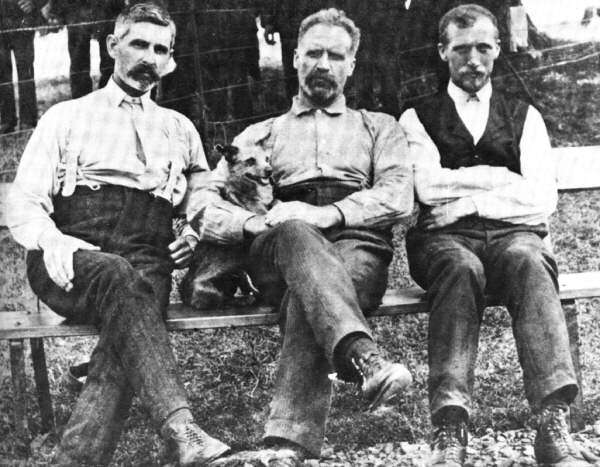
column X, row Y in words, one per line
column 394, row 383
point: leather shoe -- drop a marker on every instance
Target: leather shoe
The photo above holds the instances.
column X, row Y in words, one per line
column 554, row 446
column 189, row 445
column 281, row 454
column 382, row 380
column 449, row 445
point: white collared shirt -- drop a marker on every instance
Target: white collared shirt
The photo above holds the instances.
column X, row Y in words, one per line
column 98, row 130
column 474, row 111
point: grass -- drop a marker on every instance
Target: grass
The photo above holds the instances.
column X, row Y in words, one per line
column 229, row 373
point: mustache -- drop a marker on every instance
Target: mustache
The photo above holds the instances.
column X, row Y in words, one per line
column 313, row 77
column 144, row 71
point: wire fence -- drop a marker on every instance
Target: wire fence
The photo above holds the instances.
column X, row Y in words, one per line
column 204, row 85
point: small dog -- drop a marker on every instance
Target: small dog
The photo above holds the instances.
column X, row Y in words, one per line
column 217, row 272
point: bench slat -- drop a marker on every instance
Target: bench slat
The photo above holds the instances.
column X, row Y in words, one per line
column 28, row 324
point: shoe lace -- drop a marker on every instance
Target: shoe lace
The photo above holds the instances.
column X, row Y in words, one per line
column 368, row 366
column 558, row 429
column 446, row 439
column 194, row 434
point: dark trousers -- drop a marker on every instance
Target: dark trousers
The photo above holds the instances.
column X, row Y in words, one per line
column 457, row 266
column 124, row 290
column 324, row 281
column 79, row 52
column 21, row 44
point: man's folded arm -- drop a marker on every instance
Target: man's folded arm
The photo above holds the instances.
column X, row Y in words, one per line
column 436, row 185
column 534, row 192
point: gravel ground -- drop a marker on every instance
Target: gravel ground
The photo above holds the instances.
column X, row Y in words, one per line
column 512, row 448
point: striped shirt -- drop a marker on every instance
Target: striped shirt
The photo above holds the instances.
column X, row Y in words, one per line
column 97, row 131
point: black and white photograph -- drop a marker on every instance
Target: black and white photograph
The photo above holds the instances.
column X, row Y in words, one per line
column 279, row 233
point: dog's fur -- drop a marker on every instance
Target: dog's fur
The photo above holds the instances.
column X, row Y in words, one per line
column 217, row 272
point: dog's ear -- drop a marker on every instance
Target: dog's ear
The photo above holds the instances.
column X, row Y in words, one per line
column 228, row 151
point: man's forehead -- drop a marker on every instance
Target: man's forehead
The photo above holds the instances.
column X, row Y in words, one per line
column 482, row 30
column 150, row 32
column 326, row 36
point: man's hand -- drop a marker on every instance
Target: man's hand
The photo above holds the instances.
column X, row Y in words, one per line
column 254, row 226
column 58, row 257
column 322, row 217
column 182, row 250
column 25, row 5
column 448, row 213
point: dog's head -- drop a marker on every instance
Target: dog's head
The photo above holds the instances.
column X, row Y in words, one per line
column 251, row 162
column 248, row 183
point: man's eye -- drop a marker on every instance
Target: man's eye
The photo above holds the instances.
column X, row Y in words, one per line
column 483, row 48
column 250, row 161
column 336, row 56
column 314, row 53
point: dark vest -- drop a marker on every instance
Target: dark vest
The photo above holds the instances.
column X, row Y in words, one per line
column 499, row 144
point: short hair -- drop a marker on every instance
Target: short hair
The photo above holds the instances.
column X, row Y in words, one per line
column 144, row 12
column 464, row 16
column 331, row 17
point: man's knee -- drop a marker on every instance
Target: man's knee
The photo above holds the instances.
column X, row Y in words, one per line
column 522, row 257
column 295, row 229
column 458, row 268
column 107, row 269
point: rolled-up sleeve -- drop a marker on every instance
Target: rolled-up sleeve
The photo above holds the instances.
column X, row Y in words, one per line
column 391, row 195
column 29, row 203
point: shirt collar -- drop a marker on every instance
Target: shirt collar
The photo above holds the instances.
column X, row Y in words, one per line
column 301, row 105
column 460, row 96
column 116, row 95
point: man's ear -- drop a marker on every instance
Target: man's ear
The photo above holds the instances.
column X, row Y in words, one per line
column 229, row 152
column 295, row 59
column 497, row 50
column 351, row 68
column 442, row 51
column 111, row 45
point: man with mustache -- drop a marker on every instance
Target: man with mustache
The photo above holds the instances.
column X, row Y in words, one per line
column 322, row 253
column 93, row 202
column 486, row 186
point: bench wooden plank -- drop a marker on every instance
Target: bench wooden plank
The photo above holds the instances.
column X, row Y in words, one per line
column 578, row 167
column 30, row 324
column 4, row 187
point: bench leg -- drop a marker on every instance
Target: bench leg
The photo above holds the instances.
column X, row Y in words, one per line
column 40, row 372
column 17, row 368
column 572, row 318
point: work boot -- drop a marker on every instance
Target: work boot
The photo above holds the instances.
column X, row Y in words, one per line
column 278, row 453
column 382, row 380
column 187, row 443
column 554, row 445
column 449, row 445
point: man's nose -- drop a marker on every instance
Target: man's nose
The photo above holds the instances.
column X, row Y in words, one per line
column 150, row 57
column 473, row 57
column 323, row 62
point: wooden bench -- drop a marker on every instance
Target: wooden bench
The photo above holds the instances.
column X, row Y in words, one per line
column 37, row 324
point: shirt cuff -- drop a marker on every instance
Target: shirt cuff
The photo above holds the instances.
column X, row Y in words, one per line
column 187, row 230
column 350, row 213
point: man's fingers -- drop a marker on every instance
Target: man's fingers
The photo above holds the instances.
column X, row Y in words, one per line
column 83, row 245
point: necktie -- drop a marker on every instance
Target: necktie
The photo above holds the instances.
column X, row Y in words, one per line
column 134, row 106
